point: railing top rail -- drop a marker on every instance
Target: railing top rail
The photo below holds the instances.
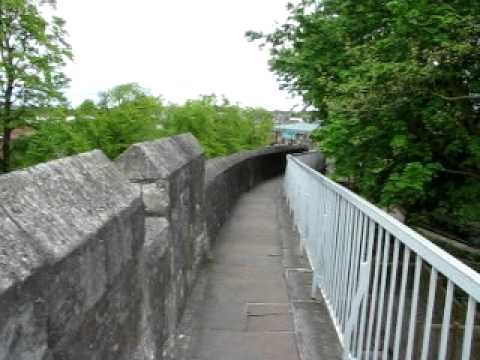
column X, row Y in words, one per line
column 462, row 275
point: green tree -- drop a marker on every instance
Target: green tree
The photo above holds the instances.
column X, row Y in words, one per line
column 87, row 108
column 222, row 128
column 399, row 82
column 129, row 116
column 33, row 52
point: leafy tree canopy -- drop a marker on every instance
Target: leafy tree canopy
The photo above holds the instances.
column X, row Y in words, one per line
column 399, row 82
column 33, row 52
column 128, row 114
column 132, row 115
column 222, row 128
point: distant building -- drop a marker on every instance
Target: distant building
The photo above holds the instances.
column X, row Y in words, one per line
column 294, row 133
column 287, row 117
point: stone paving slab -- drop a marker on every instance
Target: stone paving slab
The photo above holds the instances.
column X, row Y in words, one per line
column 265, row 317
column 223, row 345
column 316, row 336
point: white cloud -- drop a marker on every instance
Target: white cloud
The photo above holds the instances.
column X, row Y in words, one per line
column 179, row 49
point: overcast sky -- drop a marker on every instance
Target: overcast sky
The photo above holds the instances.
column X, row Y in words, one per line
column 177, row 48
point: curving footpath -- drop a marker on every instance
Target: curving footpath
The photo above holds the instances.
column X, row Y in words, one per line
column 254, row 302
column 98, row 259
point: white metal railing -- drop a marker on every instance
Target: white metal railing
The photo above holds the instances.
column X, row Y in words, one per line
column 391, row 293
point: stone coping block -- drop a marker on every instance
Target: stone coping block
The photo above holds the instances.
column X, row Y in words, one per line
column 153, row 160
column 50, row 210
column 219, row 165
column 226, row 178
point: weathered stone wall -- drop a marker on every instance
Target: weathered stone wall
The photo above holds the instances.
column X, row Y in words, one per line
column 228, row 177
column 97, row 259
column 70, row 234
column 169, row 174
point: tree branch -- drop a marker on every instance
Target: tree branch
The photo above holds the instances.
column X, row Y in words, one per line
column 458, row 98
column 460, row 172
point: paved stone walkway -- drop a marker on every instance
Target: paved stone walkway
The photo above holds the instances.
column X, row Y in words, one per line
column 255, row 303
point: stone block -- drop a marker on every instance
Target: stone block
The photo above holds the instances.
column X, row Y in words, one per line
column 156, row 274
column 111, row 329
column 53, row 209
column 70, row 228
column 156, row 198
column 23, row 326
column 76, row 285
column 153, row 160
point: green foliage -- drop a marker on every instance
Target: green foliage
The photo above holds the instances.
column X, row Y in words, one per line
column 221, row 128
column 128, row 114
column 400, row 84
column 33, row 52
column 133, row 117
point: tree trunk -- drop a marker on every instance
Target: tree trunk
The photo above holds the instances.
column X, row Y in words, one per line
column 7, row 129
column 7, row 134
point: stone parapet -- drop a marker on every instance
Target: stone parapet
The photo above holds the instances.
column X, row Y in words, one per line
column 98, row 258
column 71, row 232
column 228, row 177
column 169, row 174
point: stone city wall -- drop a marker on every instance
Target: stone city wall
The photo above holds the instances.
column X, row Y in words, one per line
column 97, row 258
column 228, row 177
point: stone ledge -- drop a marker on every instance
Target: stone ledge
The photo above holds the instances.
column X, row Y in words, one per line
column 153, row 160
column 216, row 166
column 227, row 177
column 50, row 210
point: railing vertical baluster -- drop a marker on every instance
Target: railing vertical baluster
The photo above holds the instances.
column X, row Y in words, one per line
column 373, row 301
column 318, row 223
column 401, row 305
column 326, row 243
column 468, row 333
column 319, row 239
column 324, row 248
column 447, row 312
column 363, row 316
column 350, row 270
column 329, row 234
column 331, row 251
column 428, row 320
column 305, row 209
column 356, row 254
column 345, row 265
column 348, row 265
column 311, row 216
column 338, row 257
column 381, row 295
column 391, row 298
column 362, row 226
column 332, row 245
column 333, row 254
column 413, row 311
